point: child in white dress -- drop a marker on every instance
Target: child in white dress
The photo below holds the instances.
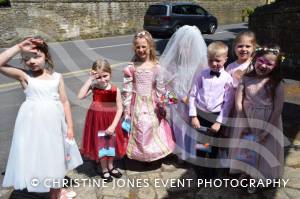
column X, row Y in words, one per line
column 43, row 147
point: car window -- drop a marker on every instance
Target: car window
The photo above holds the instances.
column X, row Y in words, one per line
column 157, row 10
column 199, row 10
column 178, row 10
column 188, row 10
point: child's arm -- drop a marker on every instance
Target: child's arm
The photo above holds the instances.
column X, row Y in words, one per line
column 8, row 54
column 197, row 84
column 277, row 109
column 111, row 129
column 159, row 84
column 239, row 95
column 127, row 90
column 86, row 90
column 67, row 108
column 278, row 104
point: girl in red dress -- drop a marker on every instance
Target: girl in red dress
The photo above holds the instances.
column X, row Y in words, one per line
column 103, row 137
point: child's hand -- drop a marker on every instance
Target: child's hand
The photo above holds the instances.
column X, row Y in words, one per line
column 195, row 122
column 263, row 138
column 215, row 127
column 93, row 75
column 238, row 74
column 70, row 133
column 185, row 100
column 29, row 44
column 110, row 130
column 127, row 117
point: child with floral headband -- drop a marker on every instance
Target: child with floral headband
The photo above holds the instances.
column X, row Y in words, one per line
column 150, row 137
column 259, row 100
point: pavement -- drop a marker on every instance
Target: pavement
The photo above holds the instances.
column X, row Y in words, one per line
column 172, row 179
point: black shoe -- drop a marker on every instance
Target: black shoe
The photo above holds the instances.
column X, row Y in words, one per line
column 116, row 173
column 107, row 178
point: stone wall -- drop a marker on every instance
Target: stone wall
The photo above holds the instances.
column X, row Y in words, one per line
column 280, row 23
column 74, row 19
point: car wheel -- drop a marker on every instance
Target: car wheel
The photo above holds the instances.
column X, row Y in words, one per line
column 212, row 27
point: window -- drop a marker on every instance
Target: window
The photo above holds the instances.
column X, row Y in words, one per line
column 177, row 10
column 199, row 10
column 188, row 10
column 157, row 10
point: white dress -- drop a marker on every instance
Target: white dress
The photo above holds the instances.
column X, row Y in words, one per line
column 37, row 149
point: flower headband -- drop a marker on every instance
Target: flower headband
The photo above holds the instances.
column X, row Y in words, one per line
column 272, row 50
column 140, row 34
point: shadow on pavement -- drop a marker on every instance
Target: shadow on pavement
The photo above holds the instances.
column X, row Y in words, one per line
column 291, row 126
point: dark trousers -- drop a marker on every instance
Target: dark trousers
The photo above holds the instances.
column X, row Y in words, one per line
column 207, row 120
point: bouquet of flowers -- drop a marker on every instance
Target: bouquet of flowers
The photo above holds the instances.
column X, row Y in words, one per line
column 169, row 97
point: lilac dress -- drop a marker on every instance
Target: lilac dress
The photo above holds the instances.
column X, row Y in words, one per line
column 150, row 137
column 261, row 114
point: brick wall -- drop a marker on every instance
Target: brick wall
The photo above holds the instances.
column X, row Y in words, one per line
column 74, row 19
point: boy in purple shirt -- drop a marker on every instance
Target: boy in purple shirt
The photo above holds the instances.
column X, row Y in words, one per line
column 211, row 96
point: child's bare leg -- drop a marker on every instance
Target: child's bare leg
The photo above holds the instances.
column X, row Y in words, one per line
column 105, row 171
column 110, row 162
column 54, row 193
column 103, row 163
column 112, row 170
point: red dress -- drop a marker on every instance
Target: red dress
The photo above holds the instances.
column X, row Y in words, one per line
column 99, row 117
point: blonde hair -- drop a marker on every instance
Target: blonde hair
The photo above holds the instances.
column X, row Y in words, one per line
column 101, row 64
column 150, row 41
column 249, row 34
column 216, row 49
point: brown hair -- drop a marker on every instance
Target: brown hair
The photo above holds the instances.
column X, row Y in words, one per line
column 44, row 48
column 102, row 64
column 276, row 74
column 150, row 41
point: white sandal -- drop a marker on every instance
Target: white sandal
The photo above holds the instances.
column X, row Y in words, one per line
column 67, row 194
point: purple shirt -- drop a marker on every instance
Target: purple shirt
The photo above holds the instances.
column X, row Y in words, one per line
column 212, row 94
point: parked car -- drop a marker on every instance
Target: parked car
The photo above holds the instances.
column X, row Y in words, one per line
column 166, row 18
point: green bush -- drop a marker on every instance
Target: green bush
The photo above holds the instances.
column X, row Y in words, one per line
column 246, row 13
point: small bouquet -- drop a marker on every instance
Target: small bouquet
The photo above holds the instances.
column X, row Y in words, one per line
column 169, row 97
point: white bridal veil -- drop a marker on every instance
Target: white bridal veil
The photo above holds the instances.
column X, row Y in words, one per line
column 185, row 53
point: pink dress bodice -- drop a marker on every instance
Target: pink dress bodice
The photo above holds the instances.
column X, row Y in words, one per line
column 143, row 83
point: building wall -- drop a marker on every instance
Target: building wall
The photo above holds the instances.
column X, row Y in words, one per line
column 74, row 19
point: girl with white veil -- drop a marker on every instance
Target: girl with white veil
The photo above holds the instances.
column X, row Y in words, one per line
column 184, row 55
